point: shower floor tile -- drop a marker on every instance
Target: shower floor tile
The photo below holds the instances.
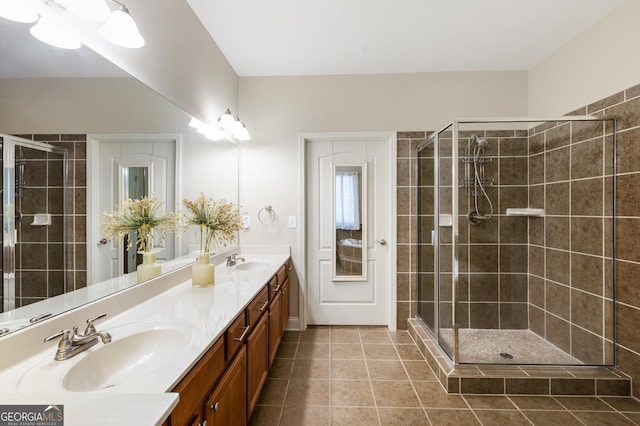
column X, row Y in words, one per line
column 525, row 347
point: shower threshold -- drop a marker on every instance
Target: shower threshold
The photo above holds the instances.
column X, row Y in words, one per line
column 514, row 376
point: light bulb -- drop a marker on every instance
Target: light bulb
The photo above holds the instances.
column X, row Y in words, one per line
column 51, row 34
column 242, row 134
column 95, row 10
column 18, row 11
column 226, row 120
column 121, row 29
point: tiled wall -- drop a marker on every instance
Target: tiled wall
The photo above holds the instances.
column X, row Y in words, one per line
column 625, row 106
column 570, row 282
column 38, row 257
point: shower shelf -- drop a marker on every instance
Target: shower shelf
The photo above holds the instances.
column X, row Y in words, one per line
column 526, row 211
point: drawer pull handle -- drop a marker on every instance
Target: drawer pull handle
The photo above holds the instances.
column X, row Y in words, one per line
column 244, row 332
column 289, row 268
column 275, row 290
column 266, row 302
column 215, row 407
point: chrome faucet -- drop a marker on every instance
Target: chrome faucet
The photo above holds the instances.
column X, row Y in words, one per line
column 232, row 260
column 72, row 343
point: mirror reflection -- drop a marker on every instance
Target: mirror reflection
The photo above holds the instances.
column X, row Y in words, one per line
column 80, row 102
column 350, row 202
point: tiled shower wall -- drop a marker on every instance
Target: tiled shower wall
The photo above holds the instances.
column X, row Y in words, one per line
column 34, row 280
column 625, row 106
column 570, row 253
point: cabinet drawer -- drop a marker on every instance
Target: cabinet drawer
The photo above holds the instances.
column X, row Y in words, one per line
column 258, row 306
column 235, row 335
column 274, row 287
column 282, row 274
column 196, row 385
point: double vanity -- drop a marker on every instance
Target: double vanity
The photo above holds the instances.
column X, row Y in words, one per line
column 176, row 354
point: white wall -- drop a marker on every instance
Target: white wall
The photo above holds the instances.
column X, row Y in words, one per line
column 599, row 62
column 277, row 109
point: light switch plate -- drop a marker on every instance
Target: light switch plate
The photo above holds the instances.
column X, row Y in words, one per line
column 246, row 221
column 293, row 223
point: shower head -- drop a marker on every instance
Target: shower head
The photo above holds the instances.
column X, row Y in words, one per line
column 480, row 142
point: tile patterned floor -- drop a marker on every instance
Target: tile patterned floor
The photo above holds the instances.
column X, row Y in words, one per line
column 369, row 376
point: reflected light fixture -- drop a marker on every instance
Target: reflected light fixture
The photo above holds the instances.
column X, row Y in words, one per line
column 49, row 33
column 17, row 11
column 228, row 127
column 121, row 29
column 118, row 26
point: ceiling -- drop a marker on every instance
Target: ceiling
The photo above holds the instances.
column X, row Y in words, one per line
column 313, row 37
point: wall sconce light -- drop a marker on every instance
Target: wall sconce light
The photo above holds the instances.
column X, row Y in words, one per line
column 227, row 127
column 118, row 26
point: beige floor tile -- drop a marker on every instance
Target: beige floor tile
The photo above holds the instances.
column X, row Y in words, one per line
column 599, row 418
column 273, row 392
column 623, row 404
column 308, row 392
column 441, row 417
column 281, row 368
column 345, row 336
column 380, row 351
column 402, row 416
column 552, row 418
column 432, row 395
column 409, row 352
column 374, row 335
column 287, row 350
column 298, row 415
column 386, row 370
column 316, row 335
column 419, row 370
column 536, row 403
column 311, row 369
column 583, row 403
column 350, row 416
column 346, row 351
column 394, row 394
column 489, row 402
column 401, row 337
column 501, row 418
column 291, row 336
column 351, row 393
column 349, row 369
column 313, row 350
column 266, row 415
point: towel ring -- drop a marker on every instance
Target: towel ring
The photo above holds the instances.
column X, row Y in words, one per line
column 267, row 215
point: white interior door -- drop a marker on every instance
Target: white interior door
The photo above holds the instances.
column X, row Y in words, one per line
column 159, row 157
column 334, row 298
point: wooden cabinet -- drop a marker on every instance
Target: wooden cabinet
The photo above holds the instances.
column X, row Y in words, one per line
column 257, row 362
column 197, row 385
column 224, row 386
column 275, row 335
column 227, row 405
column 285, row 306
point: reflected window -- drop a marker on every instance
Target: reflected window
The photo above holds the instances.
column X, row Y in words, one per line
column 347, row 200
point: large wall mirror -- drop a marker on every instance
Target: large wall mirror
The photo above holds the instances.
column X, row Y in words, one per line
column 77, row 100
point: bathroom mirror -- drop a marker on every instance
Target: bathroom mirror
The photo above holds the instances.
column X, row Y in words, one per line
column 46, row 92
column 350, row 205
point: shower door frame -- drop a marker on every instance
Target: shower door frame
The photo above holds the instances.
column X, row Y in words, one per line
column 454, row 125
column 9, row 233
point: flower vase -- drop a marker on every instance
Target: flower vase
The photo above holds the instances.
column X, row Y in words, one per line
column 149, row 268
column 203, row 272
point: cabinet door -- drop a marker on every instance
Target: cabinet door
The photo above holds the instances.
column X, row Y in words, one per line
column 227, row 405
column 275, row 315
column 257, row 362
column 285, row 306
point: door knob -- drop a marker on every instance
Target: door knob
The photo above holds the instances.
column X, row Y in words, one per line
column 382, row 242
column 103, row 241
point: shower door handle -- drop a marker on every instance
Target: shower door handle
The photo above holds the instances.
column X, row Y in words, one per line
column 103, row 242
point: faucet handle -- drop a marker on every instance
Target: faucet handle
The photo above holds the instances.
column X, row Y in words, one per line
column 65, row 342
column 90, row 327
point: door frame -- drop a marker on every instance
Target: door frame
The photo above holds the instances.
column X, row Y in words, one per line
column 392, row 142
column 94, row 216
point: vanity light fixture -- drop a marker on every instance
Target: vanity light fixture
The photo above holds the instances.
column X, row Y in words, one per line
column 118, row 26
column 17, row 11
column 227, row 127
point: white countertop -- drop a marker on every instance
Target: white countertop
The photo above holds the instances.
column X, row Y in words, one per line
column 201, row 314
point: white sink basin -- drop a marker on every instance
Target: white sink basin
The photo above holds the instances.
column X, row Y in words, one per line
column 124, row 362
column 251, row 265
